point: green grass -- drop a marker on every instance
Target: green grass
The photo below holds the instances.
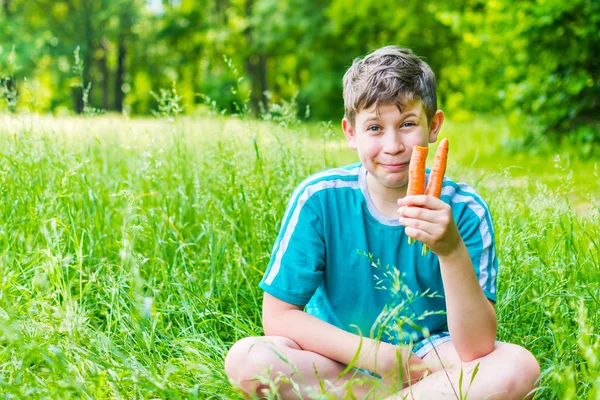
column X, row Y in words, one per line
column 130, row 250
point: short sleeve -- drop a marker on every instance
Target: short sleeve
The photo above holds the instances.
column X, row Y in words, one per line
column 476, row 228
column 297, row 262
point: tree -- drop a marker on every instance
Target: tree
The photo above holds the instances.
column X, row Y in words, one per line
column 535, row 60
column 561, row 85
column 126, row 15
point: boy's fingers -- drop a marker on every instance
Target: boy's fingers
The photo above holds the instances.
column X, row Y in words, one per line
column 418, row 224
column 421, row 213
column 422, row 200
column 418, row 234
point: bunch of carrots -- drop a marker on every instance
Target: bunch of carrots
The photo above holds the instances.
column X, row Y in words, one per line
column 416, row 175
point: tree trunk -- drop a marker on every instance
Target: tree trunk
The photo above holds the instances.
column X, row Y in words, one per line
column 6, row 7
column 105, row 74
column 10, row 92
column 122, row 54
column 77, row 96
column 124, row 33
column 250, row 66
column 256, row 68
column 10, row 87
column 262, row 80
column 84, row 100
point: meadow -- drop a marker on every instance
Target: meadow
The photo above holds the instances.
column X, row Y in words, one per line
column 131, row 249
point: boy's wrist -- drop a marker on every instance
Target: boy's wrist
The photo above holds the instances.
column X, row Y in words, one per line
column 455, row 256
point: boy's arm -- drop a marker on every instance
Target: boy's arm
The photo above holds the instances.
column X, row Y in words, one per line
column 471, row 317
column 312, row 334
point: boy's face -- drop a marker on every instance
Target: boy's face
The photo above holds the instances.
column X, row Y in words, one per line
column 384, row 139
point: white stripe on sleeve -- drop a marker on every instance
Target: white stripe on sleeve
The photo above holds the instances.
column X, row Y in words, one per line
column 291, row 226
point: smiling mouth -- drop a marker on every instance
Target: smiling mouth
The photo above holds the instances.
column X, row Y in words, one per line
column 394, row 166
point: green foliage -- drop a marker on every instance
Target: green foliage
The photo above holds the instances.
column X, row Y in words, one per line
column 532, row 60
column 562, row 86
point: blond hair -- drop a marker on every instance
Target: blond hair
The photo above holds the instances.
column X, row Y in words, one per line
column 390, row 75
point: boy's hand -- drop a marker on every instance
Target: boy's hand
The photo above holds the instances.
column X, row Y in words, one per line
column 430, row 221
column 397, row 366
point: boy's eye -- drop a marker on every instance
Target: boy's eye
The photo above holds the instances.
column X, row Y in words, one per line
column 408, row 124
column 373, row 128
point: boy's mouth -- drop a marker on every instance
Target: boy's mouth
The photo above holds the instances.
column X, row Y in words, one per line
column 394, row 166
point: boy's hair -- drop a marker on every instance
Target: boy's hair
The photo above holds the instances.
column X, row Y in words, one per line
column 390, row 75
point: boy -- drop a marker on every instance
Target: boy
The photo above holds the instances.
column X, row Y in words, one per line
column 323, row 307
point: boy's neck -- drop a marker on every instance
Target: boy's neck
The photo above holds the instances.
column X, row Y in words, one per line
column 385, row 199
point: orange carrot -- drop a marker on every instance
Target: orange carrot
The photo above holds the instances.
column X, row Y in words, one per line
column 436, row 177
column 416, row 174
column 416, row 171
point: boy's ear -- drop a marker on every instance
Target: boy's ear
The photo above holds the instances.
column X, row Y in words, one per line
column 349, row 133
column 435, row 125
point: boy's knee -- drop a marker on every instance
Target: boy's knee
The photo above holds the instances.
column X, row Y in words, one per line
column 240, row 371
column 236, row 361
column 524, row 367
column 528, row 364
column 252, row 356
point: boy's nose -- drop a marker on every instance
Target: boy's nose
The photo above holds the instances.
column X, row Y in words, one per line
column 393, row 143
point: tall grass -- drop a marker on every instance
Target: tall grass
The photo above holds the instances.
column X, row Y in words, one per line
column 130, row 252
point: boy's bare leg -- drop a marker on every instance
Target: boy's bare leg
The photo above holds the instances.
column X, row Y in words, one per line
column 509, row 372
column 273, row 356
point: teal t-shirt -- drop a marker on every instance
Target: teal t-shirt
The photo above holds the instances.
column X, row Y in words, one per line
column 349, row 265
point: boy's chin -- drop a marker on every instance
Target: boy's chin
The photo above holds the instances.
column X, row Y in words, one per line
column 395, row 185
column 391, row 184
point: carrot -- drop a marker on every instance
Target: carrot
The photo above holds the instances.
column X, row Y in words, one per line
column 416, row 174
column 436, row 177
column 416, row 171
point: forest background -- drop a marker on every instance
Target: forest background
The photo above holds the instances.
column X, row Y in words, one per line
column 535, row 62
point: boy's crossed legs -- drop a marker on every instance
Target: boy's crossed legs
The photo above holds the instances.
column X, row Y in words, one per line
column 509, row 372
column 273, row 356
